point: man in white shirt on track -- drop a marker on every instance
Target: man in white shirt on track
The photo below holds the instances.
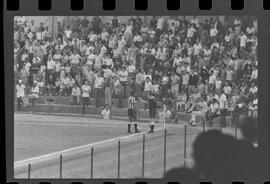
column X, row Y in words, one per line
column 20, row 91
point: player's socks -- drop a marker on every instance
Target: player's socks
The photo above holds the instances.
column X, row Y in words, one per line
column 136, row 128
column 129, row 128
column 152, row 128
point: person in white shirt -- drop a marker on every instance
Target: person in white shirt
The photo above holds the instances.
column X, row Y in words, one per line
column 197, row 47
column 191, row 30
column 218, row 83
column 213, row 32
column 68, row 32
column 223, row 104
column 123, row 77
column 254, row 74
column 34, row 95
column 91, row 58
column 213, row 111
column 243, row 40
column 20, row 93
column 98, row 88
column 227, row 89
column 86, row 89
column 160, row 23
column 185, row 80
column 75, row 58
column 147, row 85
column 177, row 61
column 253, row 106
column 76, row 93
column 253, row 89
column 50, row 65
column 212, row 80
column 105, row 113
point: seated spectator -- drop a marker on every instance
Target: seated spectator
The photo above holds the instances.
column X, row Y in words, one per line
column 181, row 101
column 105, row 113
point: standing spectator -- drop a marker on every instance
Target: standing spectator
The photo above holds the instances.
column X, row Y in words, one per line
column 123, row 77
column 86, row 89
column 34, row 95
column 119, row 91
column 76, row 94
column 20, row 91
column 223, row 104
column 98, row 86
column 109, row 86
column 175, row 84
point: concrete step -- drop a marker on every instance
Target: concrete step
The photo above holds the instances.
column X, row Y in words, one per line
column 92, row 111
column 68, row 101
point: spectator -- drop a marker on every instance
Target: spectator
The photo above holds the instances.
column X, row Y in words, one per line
column 86, row 89
column 105, row 113
column 186, row 55
column 34, row 96
column 76, row 94
column 109, row 86
column 98, row 88
column 20, row 91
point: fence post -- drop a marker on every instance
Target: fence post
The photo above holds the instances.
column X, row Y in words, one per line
column 29, row 171
column 61, row 160
column 92, row 156
column 203, row 125
column 165, row 149
column 236, row 131
column 185, row 145
column 118, row 168
column 143, row 152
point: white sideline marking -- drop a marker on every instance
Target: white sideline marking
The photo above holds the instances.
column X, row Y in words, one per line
column 87, row 124
column 26, row 161
column 69, row 124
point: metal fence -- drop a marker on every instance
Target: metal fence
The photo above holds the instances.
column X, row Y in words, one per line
column 185, row 143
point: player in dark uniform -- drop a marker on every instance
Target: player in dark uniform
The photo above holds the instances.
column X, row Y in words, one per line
column 152, row 106
column 132, row 113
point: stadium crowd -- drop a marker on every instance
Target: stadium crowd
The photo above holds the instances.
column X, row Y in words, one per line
column 207, row 66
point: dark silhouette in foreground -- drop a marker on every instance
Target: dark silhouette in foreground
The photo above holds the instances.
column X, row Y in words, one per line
column 220, row 158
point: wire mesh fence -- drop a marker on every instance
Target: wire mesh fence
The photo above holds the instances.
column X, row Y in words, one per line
column 143, row 155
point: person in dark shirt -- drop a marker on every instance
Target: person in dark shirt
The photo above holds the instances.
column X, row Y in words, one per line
column 193, row 80
column 152, row 106
column 84, row 22
column 204, row 74
column 115, row 22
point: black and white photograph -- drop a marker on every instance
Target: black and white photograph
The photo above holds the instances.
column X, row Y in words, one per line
column 136, row 97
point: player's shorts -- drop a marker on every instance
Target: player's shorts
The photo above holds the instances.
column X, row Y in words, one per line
column 132, row 115
column 85, row 101
column 152, row 113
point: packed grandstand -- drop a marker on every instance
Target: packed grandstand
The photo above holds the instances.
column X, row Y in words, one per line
column 186, row 62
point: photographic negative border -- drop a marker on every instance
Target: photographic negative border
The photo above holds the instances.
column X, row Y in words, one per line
column 127, row 7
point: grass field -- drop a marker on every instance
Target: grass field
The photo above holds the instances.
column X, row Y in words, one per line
column 41, row 139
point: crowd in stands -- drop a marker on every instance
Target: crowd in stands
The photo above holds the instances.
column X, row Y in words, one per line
column 191, row 64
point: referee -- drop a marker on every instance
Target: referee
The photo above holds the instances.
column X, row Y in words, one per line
column 132, row 113
column 152, row 106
